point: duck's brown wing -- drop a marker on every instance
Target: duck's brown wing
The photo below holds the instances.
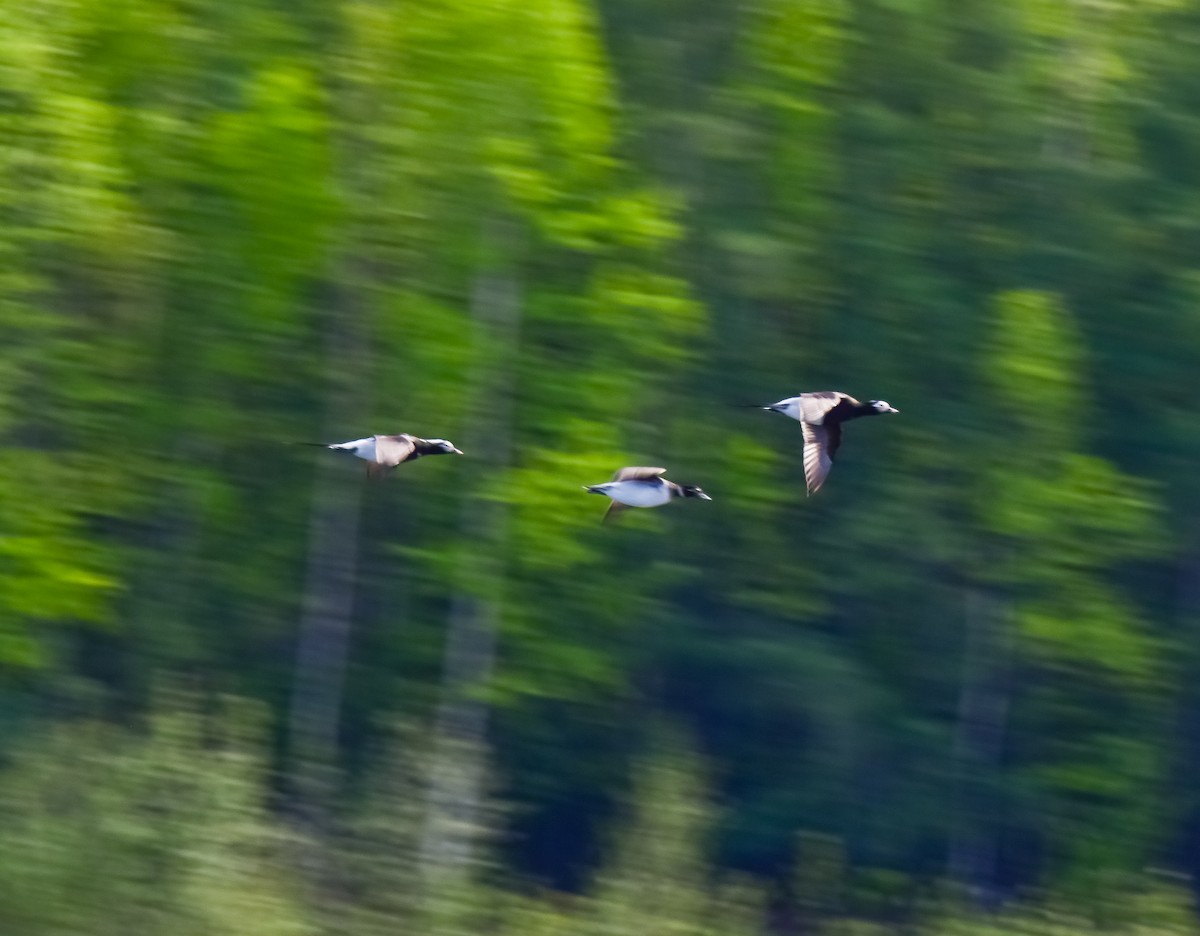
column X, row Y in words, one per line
column 391, row 450
column 614, row 508
column 639, row 474
column 376, row 471
column 820, row 445
column 814, row 407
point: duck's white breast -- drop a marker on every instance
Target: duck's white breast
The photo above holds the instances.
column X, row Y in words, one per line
column 639, row 493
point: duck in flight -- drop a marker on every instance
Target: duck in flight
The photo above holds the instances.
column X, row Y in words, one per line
column 821, row 415
column 382, row 453
column 641, row 487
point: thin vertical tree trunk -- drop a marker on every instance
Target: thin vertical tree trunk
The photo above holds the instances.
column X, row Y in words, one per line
column 1186, row 764
column 324, row 638
column 324, row 635
column 979, row 743
column 458, row 768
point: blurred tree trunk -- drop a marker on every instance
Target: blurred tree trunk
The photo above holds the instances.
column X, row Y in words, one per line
column 1187, row 762
column 323, row 640
column 979, row 743
column 458, row 765
column 333, row 530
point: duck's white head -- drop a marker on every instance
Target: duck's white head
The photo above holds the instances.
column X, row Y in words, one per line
column 444, row 447
column 882, row 406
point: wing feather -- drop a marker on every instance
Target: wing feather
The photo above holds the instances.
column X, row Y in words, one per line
column 820, row 443
column 639, row 474
column 815, row 406
column 391, row 450
column 614, row 508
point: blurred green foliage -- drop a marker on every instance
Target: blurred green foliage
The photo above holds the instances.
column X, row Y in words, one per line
column 962, row 675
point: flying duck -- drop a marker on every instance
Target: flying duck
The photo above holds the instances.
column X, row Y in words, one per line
column 821, row 416
column 382, row 453
column 641, row 487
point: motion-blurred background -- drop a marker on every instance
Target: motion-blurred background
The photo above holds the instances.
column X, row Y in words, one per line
column 243, row 692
